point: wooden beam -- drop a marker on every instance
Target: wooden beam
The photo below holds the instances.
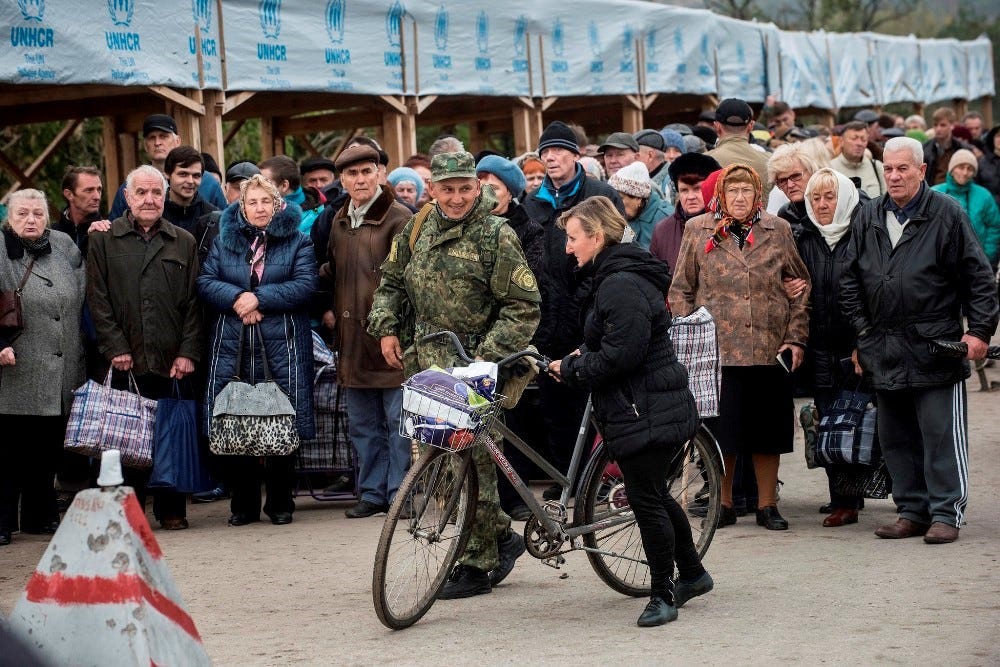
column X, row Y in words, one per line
column 526, row 123
column 19, row 176
column 334, row 120
column 395, row 103
column 305, row 143
column 424, row 102
column 631, row 116
column 267, row 138
column 172, row 95
column 236, row 99
column 547, row 102
column 987, row 111
column 234, row 130
column 12, row 95
column 212, row 139
column 113, row 170
column 27, row 175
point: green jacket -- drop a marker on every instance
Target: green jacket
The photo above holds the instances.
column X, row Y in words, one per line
column 982, row 210
column 142, row 295
column 457, row 278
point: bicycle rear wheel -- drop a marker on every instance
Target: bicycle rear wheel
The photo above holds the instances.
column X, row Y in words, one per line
column 427, row 527
column 694, row 479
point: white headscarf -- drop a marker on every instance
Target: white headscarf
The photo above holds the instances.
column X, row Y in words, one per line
column 847, row 199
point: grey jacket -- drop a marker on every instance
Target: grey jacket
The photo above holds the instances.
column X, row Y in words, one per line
column 49, row 352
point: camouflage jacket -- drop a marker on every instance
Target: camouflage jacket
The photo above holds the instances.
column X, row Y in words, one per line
column 456, row 279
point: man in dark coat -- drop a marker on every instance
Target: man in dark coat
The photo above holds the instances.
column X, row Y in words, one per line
column 914, row 268
column 565, row 185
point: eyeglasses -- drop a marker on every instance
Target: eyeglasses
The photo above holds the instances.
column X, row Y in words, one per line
column 791, row 178
column 740, row 192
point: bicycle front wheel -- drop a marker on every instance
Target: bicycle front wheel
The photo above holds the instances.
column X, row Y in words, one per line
column 427, row 527
column 694, row 478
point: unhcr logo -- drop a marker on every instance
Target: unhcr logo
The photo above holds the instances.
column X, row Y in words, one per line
column 483, row 33
column 202, row 12
column 441, row 29
column 32, row 10
column 394, row 24
column 520, row 32
column 595, row 39
column 558, row 38
column 335, row 10
column 270, row 18
column 121, row 12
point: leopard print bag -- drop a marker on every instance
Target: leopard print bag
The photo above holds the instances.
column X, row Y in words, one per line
column 253, row 419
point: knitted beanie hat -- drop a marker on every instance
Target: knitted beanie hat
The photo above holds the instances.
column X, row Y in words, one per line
column 505, row 170
column 632, row 180
column 963, row 156
column 558, row 135
column 400, row 174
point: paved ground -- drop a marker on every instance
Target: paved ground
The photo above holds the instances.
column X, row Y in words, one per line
column 301, row 594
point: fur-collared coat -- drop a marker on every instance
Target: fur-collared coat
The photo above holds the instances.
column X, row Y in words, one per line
column 284, row 294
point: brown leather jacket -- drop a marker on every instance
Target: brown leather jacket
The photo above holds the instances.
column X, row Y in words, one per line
column 742, row 289
column 354, row 271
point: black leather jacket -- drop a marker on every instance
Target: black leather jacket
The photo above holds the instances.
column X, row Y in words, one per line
column 899, row 299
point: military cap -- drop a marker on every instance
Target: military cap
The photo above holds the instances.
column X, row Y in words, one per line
column 453, row 165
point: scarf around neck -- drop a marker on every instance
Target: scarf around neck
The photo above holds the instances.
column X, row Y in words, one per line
column 725, row 223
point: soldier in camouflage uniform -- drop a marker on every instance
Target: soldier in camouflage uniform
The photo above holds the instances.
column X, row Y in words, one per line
column 465, row 273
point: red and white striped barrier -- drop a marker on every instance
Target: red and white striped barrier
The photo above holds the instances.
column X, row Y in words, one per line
column 102, row 594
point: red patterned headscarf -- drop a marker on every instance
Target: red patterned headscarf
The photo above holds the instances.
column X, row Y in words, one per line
column 724, row 221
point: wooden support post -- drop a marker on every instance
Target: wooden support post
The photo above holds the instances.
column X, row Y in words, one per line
column 631, row 114
column 267, row 138
column 398, row 137
column 987, row 111
column 114, row 163
column 212, row 141
column 527, row 123
column 961, row 107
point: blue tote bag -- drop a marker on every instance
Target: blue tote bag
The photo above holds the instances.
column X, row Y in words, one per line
column 177, row 460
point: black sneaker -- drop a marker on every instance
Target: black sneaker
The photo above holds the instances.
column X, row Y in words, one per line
column 465, row 582
column 342, row 484
column 365, row 509
column 727, row 517
column 509, row 550
column 210, row 496
column 657, row 612
column 552, row 493
column 685, row 590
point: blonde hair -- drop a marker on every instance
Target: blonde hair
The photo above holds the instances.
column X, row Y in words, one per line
column 258, row 181
column 823, row 180
column 597, row 214
column 788, row 158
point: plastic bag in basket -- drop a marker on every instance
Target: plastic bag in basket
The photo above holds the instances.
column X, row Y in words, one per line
column 441, row 409
column 480, row 375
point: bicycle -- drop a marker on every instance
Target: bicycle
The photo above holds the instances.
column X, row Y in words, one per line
column 429, row 522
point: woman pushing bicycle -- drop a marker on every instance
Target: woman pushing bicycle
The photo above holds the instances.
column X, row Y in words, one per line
column 639, row 391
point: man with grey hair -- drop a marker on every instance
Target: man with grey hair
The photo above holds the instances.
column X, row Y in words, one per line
column 914, row 268
column 141, row 294
column 446, row 143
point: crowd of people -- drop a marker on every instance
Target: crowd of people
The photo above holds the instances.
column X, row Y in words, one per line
column 845, row 248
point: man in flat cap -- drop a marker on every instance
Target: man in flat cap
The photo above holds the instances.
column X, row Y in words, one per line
column 620, row 149
column 360, row 236
column 461, row 270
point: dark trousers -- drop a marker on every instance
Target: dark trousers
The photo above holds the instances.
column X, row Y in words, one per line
column 924, row 434
column 665, row 531
column 28, row 471
column 562, row 410
column 167, row 504
column 246, row 473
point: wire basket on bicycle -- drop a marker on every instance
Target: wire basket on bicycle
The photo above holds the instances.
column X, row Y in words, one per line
column 445, row 411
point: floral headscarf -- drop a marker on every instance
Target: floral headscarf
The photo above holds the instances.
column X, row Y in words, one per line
column 725, row 224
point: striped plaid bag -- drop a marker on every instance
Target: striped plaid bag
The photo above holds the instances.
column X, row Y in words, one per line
column 847, row 433
column 697, row 347
column 104, row 418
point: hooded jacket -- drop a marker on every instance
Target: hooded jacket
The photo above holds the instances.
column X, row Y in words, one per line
column 983, row 213
column 284, row 293
column 653, row 211
column 638, row 387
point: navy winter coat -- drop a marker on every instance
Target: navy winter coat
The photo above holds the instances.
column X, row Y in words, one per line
column 285, row 291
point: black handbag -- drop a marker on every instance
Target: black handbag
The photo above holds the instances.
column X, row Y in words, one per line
column 847, row 432
column 11, row 313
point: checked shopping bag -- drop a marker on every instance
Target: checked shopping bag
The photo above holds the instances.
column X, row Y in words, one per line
column 697, row 347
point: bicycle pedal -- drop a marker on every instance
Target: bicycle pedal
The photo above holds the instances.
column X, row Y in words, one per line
column 554, row 562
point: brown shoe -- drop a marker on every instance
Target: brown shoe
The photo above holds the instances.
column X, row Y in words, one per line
column 840, row 517
column 941, row 533
column 902, row 528
column 174, row 523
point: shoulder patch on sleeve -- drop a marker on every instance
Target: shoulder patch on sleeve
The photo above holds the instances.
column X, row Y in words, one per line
column 524, row 278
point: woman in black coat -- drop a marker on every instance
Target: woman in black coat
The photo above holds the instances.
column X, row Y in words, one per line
column 831, row 201
column 639, row 390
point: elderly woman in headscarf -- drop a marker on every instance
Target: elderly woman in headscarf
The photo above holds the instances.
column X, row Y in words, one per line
column 831, row 202
column 732, row 260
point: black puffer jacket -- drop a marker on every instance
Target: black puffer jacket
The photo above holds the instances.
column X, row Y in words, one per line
column 795, row 213
column 638, row 388
column 563, row 290
column 831, row 336
column 899, row 299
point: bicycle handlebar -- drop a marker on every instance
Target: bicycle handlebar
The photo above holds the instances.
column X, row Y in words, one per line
column 961, row 349
column 541, row 361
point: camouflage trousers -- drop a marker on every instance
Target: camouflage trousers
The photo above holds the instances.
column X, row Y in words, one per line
column 491, row 523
